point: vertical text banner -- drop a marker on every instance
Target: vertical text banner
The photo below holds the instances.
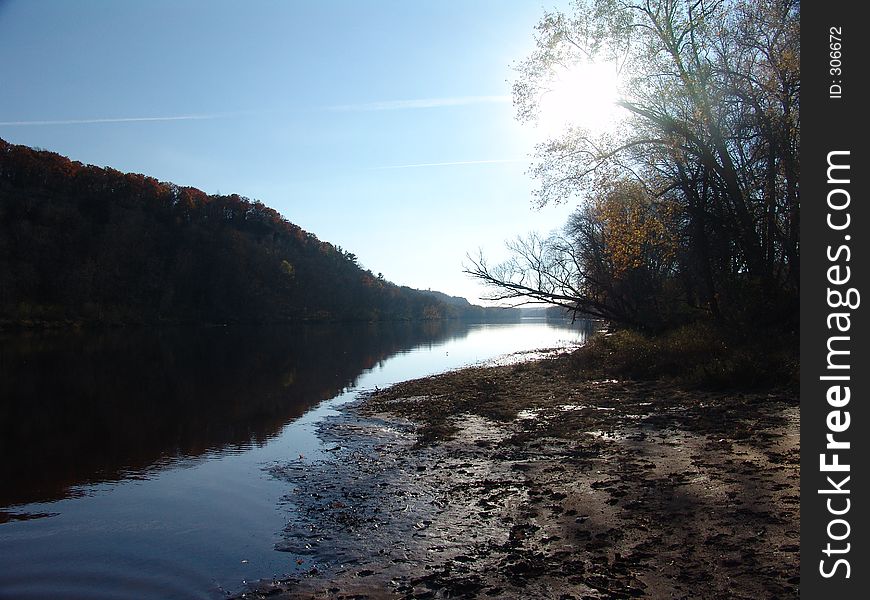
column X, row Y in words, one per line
column 835, row 370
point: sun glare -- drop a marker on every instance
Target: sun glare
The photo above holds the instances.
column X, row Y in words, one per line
column 583, row 95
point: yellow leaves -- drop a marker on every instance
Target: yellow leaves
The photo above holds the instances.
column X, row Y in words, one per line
column 288, row 269
column 637, row 231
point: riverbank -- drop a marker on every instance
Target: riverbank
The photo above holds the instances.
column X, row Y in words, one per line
column 529, row 481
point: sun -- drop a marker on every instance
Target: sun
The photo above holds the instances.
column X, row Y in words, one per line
column 583, row 95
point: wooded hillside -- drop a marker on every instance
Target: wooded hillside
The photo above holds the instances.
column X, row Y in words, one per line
column 80, row 243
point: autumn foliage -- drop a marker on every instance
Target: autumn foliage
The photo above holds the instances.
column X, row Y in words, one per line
column 688, row 209
column 80, row 243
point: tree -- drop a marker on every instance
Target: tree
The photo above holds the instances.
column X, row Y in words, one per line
column 614, row 260
column 94, row 245
column 711, row 103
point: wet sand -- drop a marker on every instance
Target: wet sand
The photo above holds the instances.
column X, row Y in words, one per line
column 523, row 481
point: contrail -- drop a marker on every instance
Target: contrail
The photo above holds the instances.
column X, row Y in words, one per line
column 112, row 120
column 458, row 162
column 421, row 103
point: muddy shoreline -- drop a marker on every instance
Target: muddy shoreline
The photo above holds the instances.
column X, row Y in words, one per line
column 524, row 481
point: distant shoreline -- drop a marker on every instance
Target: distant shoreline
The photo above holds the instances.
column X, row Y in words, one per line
column 85, row 325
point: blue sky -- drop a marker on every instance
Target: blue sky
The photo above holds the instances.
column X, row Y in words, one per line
column 339, row 115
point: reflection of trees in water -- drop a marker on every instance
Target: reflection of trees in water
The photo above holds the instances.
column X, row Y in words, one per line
column 87, row 407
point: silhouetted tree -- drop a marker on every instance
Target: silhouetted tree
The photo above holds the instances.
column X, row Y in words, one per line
column 711, row 96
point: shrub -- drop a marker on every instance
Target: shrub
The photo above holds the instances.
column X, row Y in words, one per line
column 699, row 354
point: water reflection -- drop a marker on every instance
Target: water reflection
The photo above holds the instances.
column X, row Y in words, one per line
column 81, row 408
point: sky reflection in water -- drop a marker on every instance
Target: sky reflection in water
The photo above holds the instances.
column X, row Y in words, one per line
column 144, row 451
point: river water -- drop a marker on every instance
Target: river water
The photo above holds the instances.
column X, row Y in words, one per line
column 133, row 464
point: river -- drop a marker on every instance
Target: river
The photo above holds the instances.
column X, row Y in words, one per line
column 134, row 464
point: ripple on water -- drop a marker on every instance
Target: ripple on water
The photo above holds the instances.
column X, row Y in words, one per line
column 132, row 577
